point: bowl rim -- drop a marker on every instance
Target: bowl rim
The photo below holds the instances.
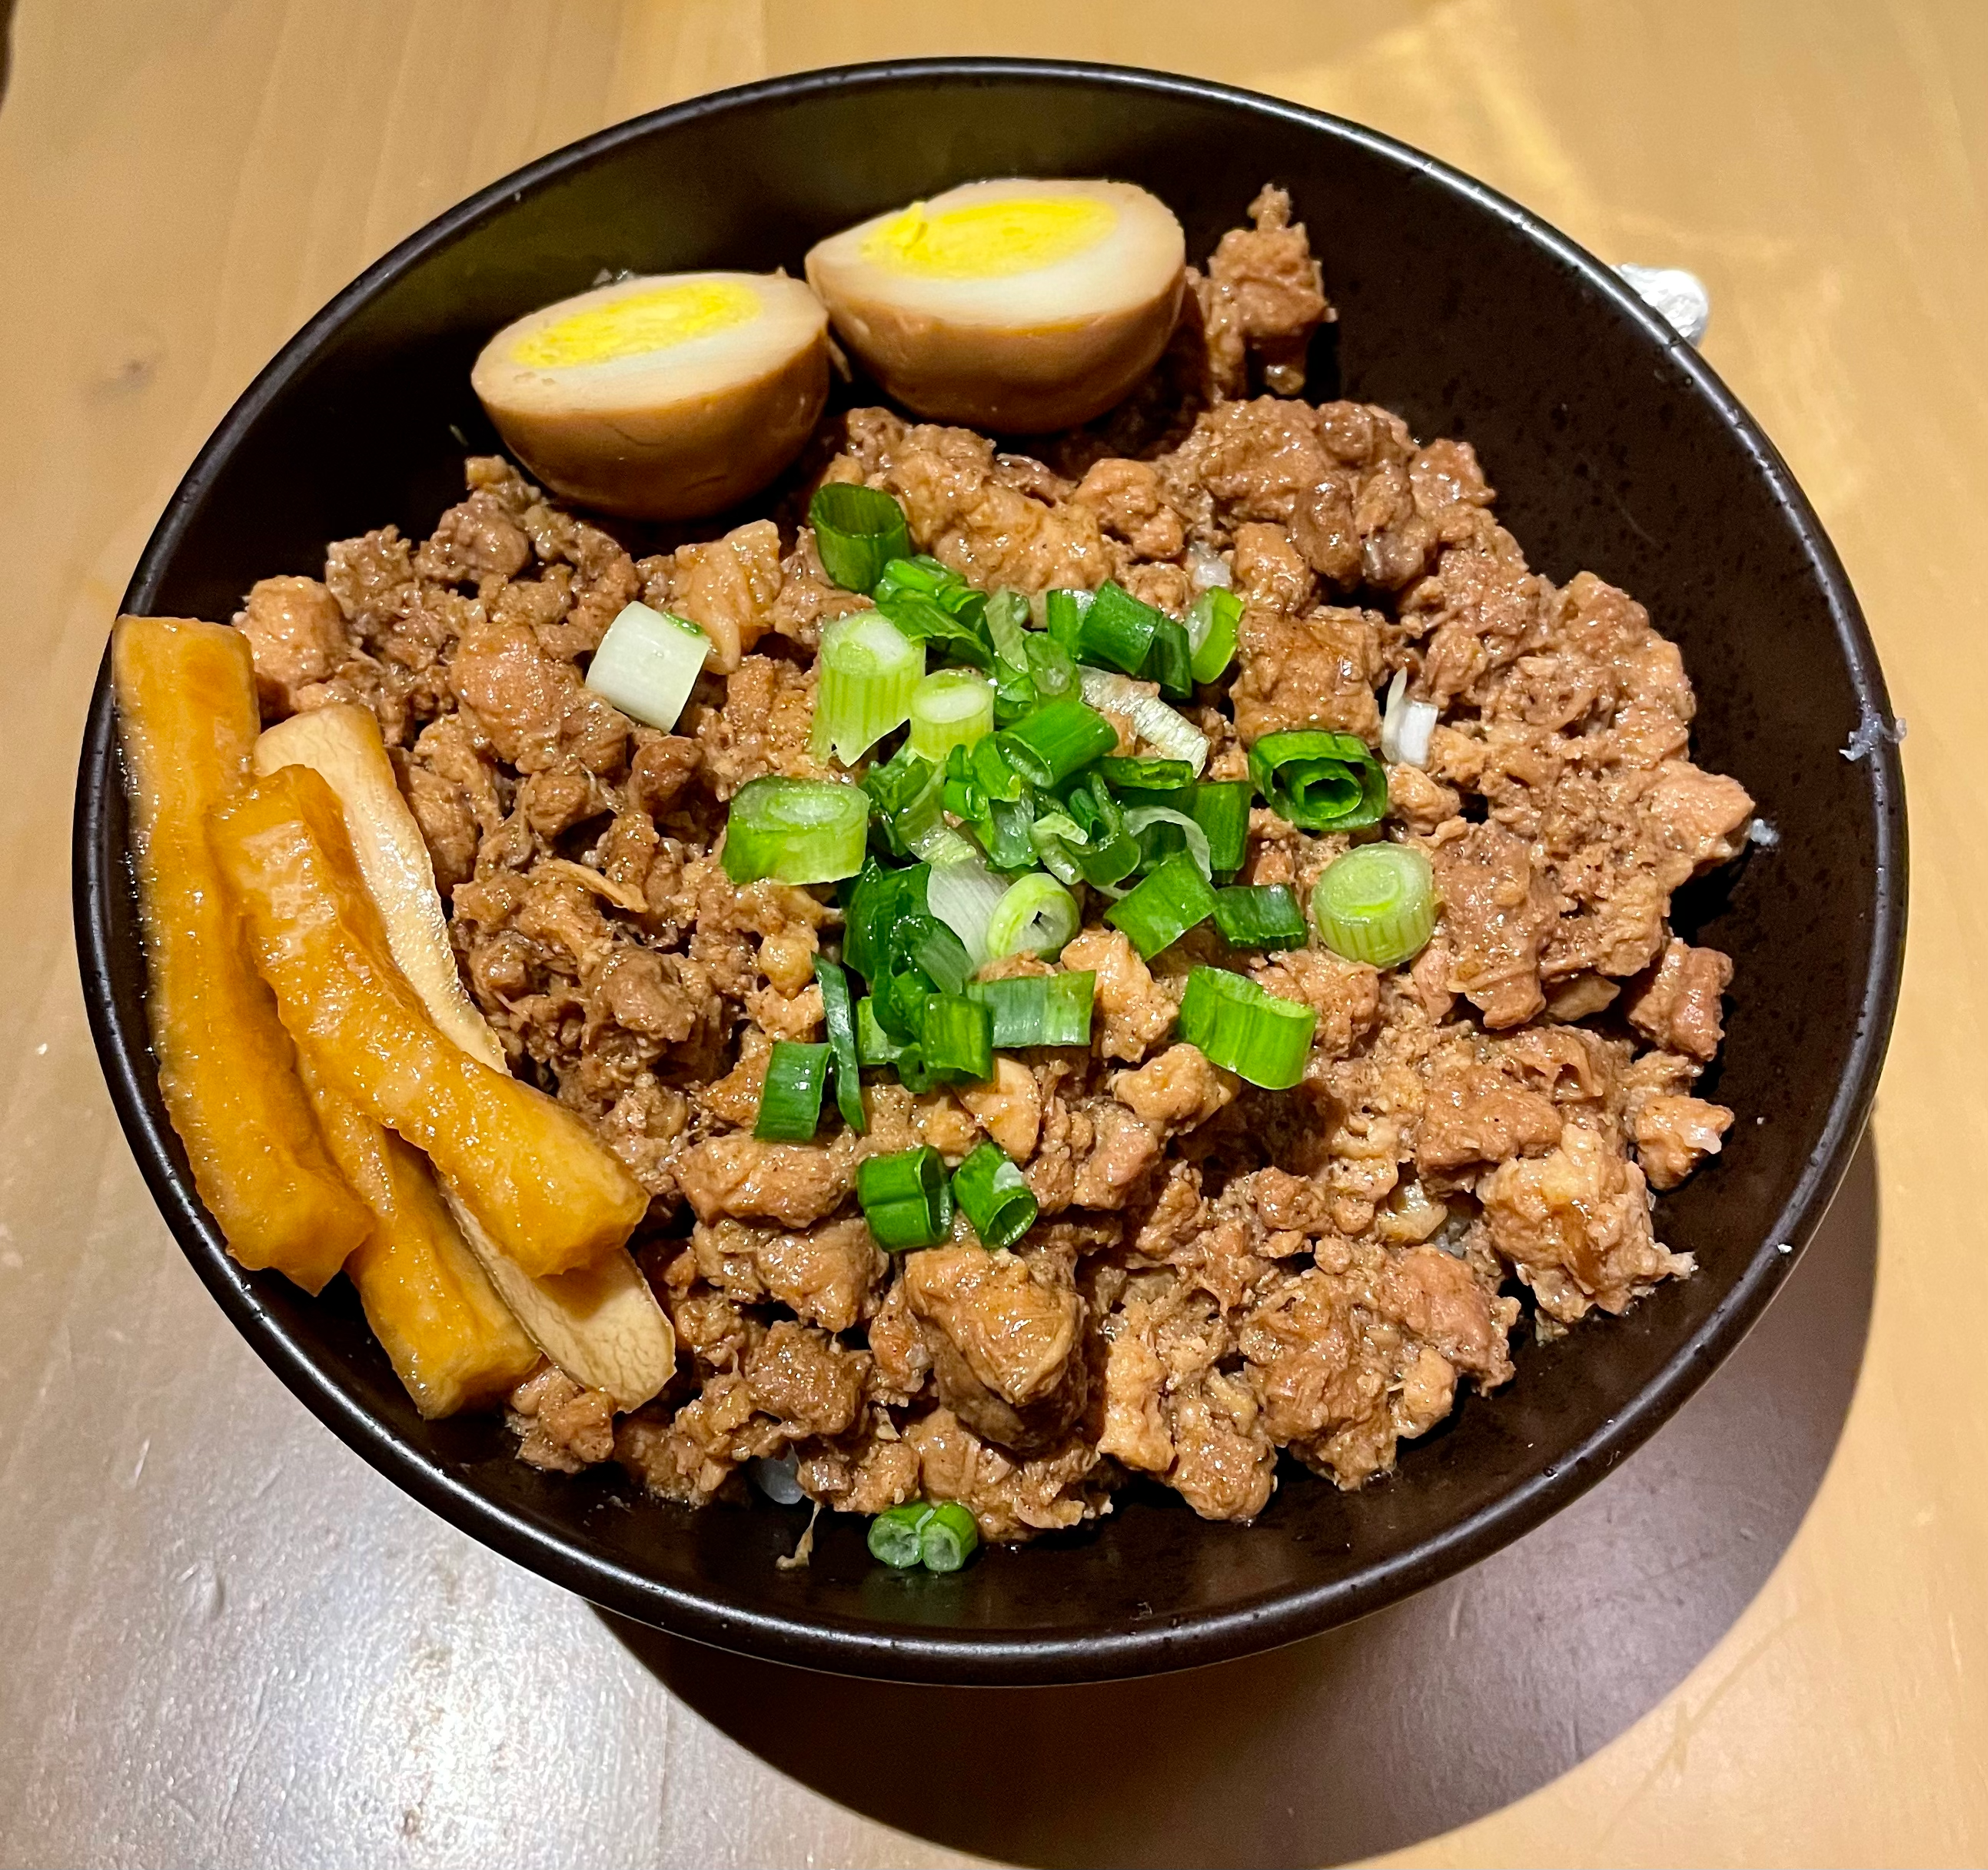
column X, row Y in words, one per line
column 962, row 1656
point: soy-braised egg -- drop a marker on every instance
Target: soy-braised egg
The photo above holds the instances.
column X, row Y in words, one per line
column 1019, row 305
column 665, row 397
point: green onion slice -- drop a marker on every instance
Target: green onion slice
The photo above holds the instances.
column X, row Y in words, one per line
column 1051, row 666
column 1007, row 618
column 839, row 1018
column 931, row 604
column 1188, row 835
column 647, row 664
column 1116, row 631
column 1246, row 1030
column 1320, row 781
column 873, row 1045
column 857, row 532
column 1063, row 617
column 1038, row 1009
column 907, row 1198
column 880, row 903
column 929, row 945
column 995, row 1196
column 1376, row 904
column 1145, row 775
column 894, row 1537
column 951, row 707
column 1059, row 738
column 948, row 1538
column 1260, row 915
column 1163, row 907
column 796, row 830
column 869, row 671
column 1169, row 662
column 1159, row 726
column 1211, row 632
column 965, row 897
column 790, row 1098
column 956, row 1039
column 1036, row 915
column 1221, row 807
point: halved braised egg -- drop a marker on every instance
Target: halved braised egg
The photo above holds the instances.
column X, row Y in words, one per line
column 666, row 397
column 1016, row 306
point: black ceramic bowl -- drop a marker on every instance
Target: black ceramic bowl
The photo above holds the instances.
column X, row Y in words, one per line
column 1613, row 448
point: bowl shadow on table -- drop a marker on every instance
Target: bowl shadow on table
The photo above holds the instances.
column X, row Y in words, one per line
column 1418, row 1719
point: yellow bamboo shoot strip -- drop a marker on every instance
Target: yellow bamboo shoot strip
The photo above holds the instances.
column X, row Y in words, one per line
column 342, row 745
column 600, row 1324
column 186, row 720
column 550, row 1195
column 448, row 1336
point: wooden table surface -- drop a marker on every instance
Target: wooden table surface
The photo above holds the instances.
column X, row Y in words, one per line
column 225, row 1639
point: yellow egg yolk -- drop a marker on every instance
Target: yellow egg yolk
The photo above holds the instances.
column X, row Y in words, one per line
column 990, row 240
column 641, row 322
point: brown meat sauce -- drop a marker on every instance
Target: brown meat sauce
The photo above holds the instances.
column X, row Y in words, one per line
column 1219, row 1273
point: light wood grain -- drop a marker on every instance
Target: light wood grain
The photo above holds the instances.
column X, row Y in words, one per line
column 226, row 1641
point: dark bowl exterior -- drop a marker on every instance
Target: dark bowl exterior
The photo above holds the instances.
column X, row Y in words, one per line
column 1613, row 449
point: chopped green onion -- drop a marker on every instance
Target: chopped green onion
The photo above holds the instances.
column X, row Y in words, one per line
column 1168, row 662
column 647, row 664
column 839, row 1018
column 1036, row 915
column 1246, row 1030
column 1056, row 741
column 1211, row 632
column 951, row 707
column 905, row 795
column 796, row 830
column 1051, row 666
column 869, row 671
column 931, row 604
column 1163, row 907
column 1063, row 617
column 965, row 897
column 956, row 1039
column 936, row 952
column 1260, row 915
column 1153, row 721
column 880, row 904
column 907, row 1198
column 1116, row 630
column 1110, row 862
column 894, row 1535
column 1221, row 807
column 948, row 1538
column 994, row 1196
column 1007, row 628
column 1145, row 775
column 790, row 1097
column 873, row 1045
column 1376, row 904
column 1150, row 824
column 1057, row 837
column 937, row 843
column 1038, row 1009
column 993, row 771
column 857, row 532
column 1006, row 830
column 1320, row 781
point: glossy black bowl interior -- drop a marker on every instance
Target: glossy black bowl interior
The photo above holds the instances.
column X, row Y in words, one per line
column 1613, row 448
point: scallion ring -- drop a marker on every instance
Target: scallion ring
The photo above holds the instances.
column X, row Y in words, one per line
column 1320, row 781
column 994, row 1196
column 790, row 1097
column 1376, row 904
column 796, row 830
column 951, row 707
column 907, row 1198
column 1173, row 899
column 1260, row 915
column 647, row 664
column 1036, row 915
column 869, row 671
column 948, row 1538
column 1245, row 1029
column 857, row 532
column 839, row 1016
column 1211, row 632
column 1038, row 1009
